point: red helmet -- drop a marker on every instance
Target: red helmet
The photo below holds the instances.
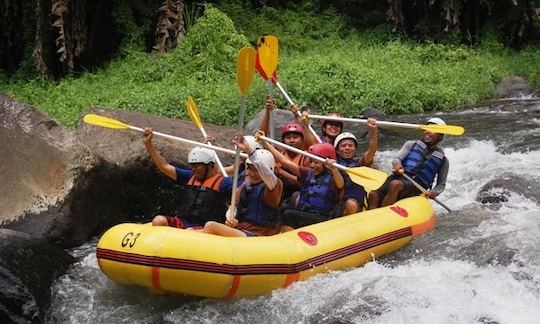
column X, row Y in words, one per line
column 333, row 114
column 324, row 150
column 292, row 127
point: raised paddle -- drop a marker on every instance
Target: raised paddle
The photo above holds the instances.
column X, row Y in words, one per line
column 116, row 124
column 424, row 191
column 245, row 67
column 440, row 129
column 193, row 113
column 268, row 53
column 369, row 178
column 284, row 93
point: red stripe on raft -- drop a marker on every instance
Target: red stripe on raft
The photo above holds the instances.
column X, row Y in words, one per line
column 424, row 227
column 204, row 266
column 234, row 286
column 155, row 278
column 290, row 279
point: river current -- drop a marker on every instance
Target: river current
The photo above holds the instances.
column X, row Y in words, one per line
column 480, row 265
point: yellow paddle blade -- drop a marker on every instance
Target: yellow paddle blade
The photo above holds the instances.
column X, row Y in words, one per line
column 268, row 54
column 245, row 66
column 369, row 178
column 193, row 113
column 104, row 121
column 443, row 129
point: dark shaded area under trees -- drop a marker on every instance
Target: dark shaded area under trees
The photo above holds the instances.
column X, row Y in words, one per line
column 62, row 37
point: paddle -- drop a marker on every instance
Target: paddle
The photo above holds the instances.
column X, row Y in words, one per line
column 268, row 59
column 245, row 67
column 193, row 113
column 284, row 93
column 424, row 191
column 369, row 178
column 440, row 129
column 116, row 124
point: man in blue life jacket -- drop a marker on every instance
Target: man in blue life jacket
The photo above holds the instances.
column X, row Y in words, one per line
column 206, row 193
column 421, row 160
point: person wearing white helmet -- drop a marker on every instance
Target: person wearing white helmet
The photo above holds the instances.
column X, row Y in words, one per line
column 423, row 161
column 206, row 192
column 258, row 199
column 346, row 145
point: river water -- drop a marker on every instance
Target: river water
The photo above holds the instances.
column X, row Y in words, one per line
column 480, row 265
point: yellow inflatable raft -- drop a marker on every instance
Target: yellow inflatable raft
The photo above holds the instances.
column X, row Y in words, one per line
column 193, row 263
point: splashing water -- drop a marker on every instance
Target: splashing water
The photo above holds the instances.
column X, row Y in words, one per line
column 481, row 264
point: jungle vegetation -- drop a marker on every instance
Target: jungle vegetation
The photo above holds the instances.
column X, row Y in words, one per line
column 64, row 56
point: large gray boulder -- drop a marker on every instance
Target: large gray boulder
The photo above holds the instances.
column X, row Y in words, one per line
column 514, row 87
column 45, row 171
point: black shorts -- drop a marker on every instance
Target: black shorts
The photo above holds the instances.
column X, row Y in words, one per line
column 297, row 218
column 409, row 190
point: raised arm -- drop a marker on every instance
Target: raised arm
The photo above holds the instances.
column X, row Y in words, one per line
column 285, row 161
column 156, row 157
column 270, row 105
column 367, row 158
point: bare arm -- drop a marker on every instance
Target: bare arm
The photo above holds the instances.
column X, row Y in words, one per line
column 285, row 161
column 270, row 105
column 336, row 175
column 157, row 158
column 369, row 155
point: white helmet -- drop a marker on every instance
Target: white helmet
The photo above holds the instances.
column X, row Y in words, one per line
column 345, row 135
column 436, row 121
column 252, row 142
column 201, row 155
column 265, row 156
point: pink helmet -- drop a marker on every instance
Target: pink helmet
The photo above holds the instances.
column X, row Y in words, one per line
column 324, row 150
column 292, row 127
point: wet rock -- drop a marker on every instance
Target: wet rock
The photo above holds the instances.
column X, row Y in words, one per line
column 499, row 190
column 125, row 148
column 280, row 117
column 46, row 174
column 514, row 87
column 28, row 266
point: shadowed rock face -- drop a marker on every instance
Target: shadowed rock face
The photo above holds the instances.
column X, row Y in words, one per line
column 28, row 267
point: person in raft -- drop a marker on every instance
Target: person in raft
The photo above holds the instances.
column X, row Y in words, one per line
column 346, row 145
column 292, row 134
column 331, row 128
column 422, row 160
column 207, row 192
column 321, row 187
column 259, row 198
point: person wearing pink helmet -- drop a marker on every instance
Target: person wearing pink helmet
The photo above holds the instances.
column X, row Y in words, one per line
column 331, row 128
column 423, row 161
column 321, row 187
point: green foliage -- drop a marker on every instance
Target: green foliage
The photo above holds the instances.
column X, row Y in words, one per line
column 324, row 64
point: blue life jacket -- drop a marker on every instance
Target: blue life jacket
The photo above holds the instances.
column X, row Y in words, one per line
column 423, row 165
column 354, row 162
column 316, row 194
column 253, row 209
